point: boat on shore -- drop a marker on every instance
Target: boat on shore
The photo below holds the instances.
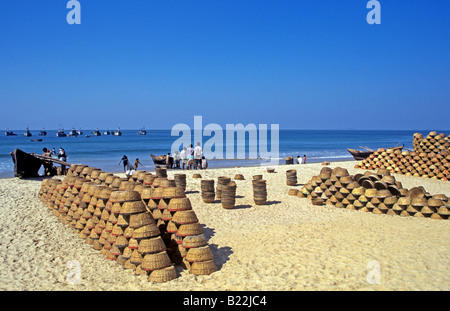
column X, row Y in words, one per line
column 27, row 165
column 159, row 160
column 361, row 155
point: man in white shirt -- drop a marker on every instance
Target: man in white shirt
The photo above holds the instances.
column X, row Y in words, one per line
column 198, row 156
column 183, row 157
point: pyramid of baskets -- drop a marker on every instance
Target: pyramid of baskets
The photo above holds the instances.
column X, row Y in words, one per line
column 378, row 193
column 144, row 222
column 433, row 142
column 412, row 163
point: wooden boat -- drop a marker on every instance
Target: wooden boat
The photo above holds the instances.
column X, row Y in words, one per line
column 27, row 132
column 27, row 165
column 142, row 131
column 361, row 155
column 10, row 133
column 160, row 160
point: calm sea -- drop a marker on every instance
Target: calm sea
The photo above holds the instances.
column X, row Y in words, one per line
column 105, row 152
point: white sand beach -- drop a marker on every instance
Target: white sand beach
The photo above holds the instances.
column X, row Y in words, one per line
column 287, row 245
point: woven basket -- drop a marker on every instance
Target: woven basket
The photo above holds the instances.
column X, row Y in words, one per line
column 203, row 267
column 151, row 245
column 155, row 261
column 202, row 253
column 184, row 217
column 147, row 231
column 179, row 204
column 141, row 219
column 190, row 229
column 194, row 241
column 163, row 275
column 133, row 207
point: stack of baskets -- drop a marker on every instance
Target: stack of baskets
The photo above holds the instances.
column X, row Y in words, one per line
column 222, row 181
column 291, row 177
column 372, row 192
column 115, row 216
column 259, row 191
column 430, row 158
column 228, row 195
column 433, row 142
column 161, row 172
column 427, row 165
column 180, row 181
column 207, row 190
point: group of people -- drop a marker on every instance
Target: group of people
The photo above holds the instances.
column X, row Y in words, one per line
column 301, row 160
column 127, row 165
column 49, row 169
column 189, row 158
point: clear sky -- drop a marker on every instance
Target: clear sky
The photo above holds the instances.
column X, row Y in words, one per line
column 154, row 63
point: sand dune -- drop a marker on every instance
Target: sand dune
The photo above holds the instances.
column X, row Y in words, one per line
column 286, row 245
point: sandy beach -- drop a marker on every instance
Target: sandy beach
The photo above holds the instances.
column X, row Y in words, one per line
column 287, row 245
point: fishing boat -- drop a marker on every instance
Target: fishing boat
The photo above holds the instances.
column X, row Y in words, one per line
column 159, row 160
column 73, row 133
column 142, row 131
column 106, row 132
column 39, row 139
column 61, row 133
column 118, row 132
column 28, row 164
column 361, row 155
column 96, row 133
column 27, row 132
column 43, row 132
column 80, row 132
column 10, row 133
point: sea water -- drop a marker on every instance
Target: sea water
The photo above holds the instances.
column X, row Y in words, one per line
column 105, row 151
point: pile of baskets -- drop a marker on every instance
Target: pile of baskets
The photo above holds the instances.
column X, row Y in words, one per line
column 140, row 222
column 228, row 195
column 433, row 142
column 291, row 177
column 378, row 193
column 207, row 190
column 259, row 191
column 419, row 164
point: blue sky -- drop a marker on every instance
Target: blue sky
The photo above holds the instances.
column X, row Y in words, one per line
column 299, row 64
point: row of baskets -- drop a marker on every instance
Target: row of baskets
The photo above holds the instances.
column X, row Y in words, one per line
column 372, row 192
column 115, row 218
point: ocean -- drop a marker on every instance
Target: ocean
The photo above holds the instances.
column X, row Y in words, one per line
column 105, row 151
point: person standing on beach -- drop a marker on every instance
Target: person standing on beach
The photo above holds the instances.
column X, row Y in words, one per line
column 168, row 160
column 125, row 163
column 176, row 159
column 136, row 164
column 204, row 163
column 304, row 159
column 62, row 154
column 198, row 156
column 299, row 160
column 183, row 157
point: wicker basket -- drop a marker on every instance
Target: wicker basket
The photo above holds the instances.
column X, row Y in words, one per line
column 163, row 275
